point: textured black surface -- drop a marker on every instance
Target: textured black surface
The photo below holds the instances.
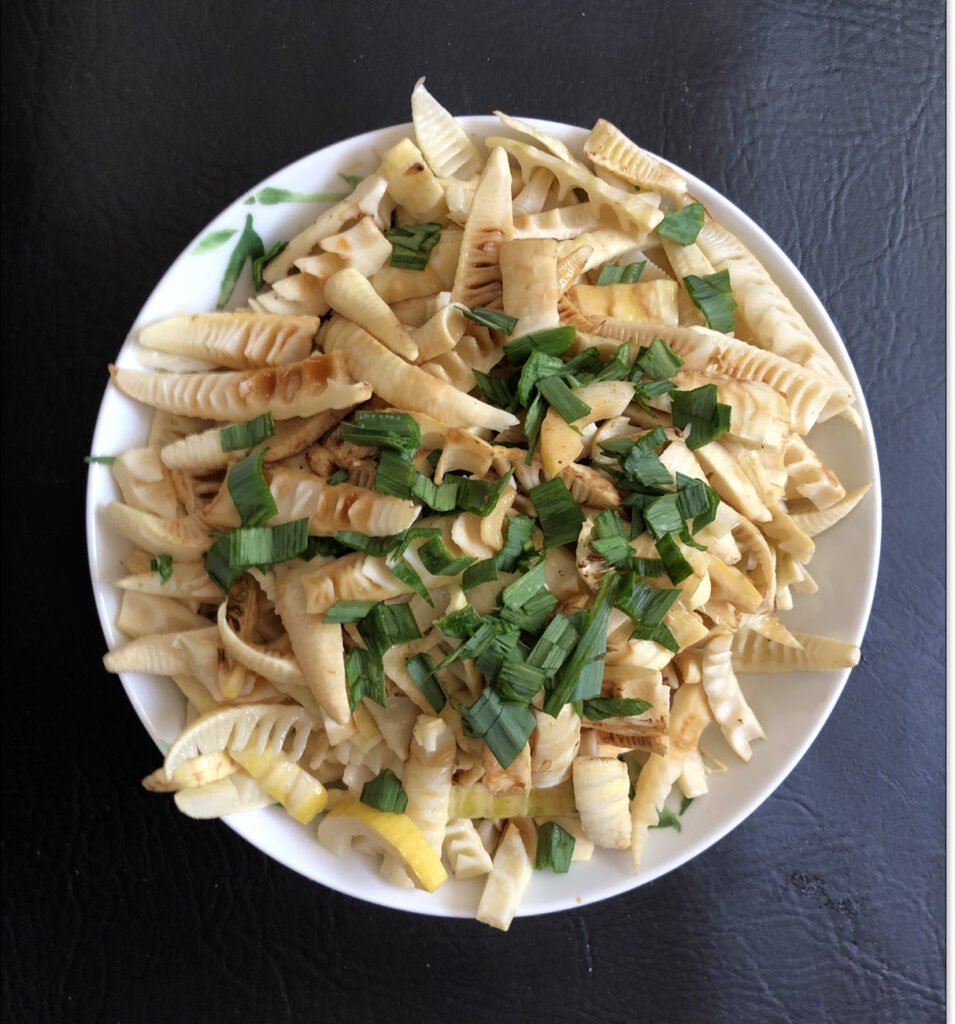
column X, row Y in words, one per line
column 127, row 127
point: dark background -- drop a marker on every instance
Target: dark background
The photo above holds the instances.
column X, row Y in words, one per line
column 127, row 126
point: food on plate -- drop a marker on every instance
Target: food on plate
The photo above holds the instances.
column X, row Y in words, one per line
column 457, row 536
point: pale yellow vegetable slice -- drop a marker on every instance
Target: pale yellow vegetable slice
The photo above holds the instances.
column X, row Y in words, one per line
column 554, row 744
column 388, row 832
column 590, row 487
column 189, row 581
column 236, row 794
column 645, row 301
column 444, row 143
column 408, row 386
column 601, row 793
column 200, row 771
column 240, row 341
column 145, row 482
column 258, row 658
column 529, row 280
column 730, row 709
column 510, row 874
column 549, row 143
column 412, row 183
column 490, row 223
column 755, row 653
column 476, row 801
column 608, row 147
column 814, row 521
column 809, row 476
column 561, row 442
column 295, row 389
column 299, row 792
column 440, row 333
column 148, row 614
column 427, row 778
column 185, row 539
column 561, row 223
column 464, row 851
column 159, row 654
column 350, row 293
column 355, row 577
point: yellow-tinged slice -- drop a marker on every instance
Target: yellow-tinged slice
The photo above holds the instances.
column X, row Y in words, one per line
column 299, row 792
column 477, row 801
column 392, row 833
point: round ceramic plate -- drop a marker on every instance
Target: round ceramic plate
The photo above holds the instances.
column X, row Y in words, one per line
column 792, row 710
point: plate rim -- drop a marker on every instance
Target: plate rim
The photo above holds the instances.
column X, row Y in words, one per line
column 712, row 199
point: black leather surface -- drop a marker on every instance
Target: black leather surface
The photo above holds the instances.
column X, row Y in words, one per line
column 127, row 127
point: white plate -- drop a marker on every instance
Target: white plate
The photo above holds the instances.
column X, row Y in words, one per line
column 791, row 708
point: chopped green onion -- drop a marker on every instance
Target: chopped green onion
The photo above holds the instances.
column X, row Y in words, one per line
column 690, row 502
column 609, row 524
column 100, row 460
column 505, row 728
column 699, row 410
column 163, row 565
column 713, row 295
column 498, row 391
column 629, row 273
column 533, row 420
column 412, row 244
column 395, row 475
column 480, row 572
column 580, row 677
column 348, row 611
column 682, row 226
column 554, row 342
column 616, row 550
column 387, row 625
column 354, row 180
column 217, row 565
column 523, row 589
column 532, row 616
column 588, row 361
column 421, row 670
column 441, row 497
column 481, row 496
column 324, row 546
column 518, row 543
column 560, row 516
column 460, row 624
column 267, row 545
column 645, row 468
column 678, row 568
column 518, row 683
column 410, row 578
column 385, row 793
column 643, row 603
column 658, row 634
column 617, row 368
column 375, row 546
column 668, row 819
column 491, row 318
column 685, row 804
column 259, row 263
column 662, row 516
column 491, row 658
column 339, row 477
column 658, row 361
column 562, row 400
column 555, row 848
column 644, row 390
column 364, row 677
column 483, row 639
column 599, row 708
column 554, row 645
column 250, row 492
column 398, row 431
column 439, row 561
column 538, row 366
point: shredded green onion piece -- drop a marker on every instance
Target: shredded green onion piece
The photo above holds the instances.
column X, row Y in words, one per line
column 560, row 516
column 662, row 516
column 617, row 368
column 580, row 677
column 248, row 247
column 481, row 496
column 643, row 603
column 628, row 273
column 375, row 546
column 504, row 727
column 327, row 547
column 698, row 410
column 585, row 362
column 668, row 819
column 518, row 544
column 267, row 545
column 480, row 572
column 555, row 848
column 441, row 497
column 387, row 625
column 538, row 366
column 422, row 671
column 339, row 477
column 678, row 568
column 163, row 565
column 460, row 624
column 385, row 793
column 553, row 342
column 562, row 400
column 99, row 460
column 554, row 646
column 600, row 708
column 657, row 361
column 658, row 634
column 491, row 318
column 354, row 180
column 500, row 646
column 246, row 435
column 682, row 226
column 533, row 420
column 218, row 566
column 364, row 677
column 518, row 683
column 259, row 263
column 533, row 614
column 524, row 588
column 249, row 490
column 348, row 611
column 685, row 804
column 499, row 391
column 395, row 475
column 439, row 561
column 713, row 295
column 412, row 244
column 398, row 431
